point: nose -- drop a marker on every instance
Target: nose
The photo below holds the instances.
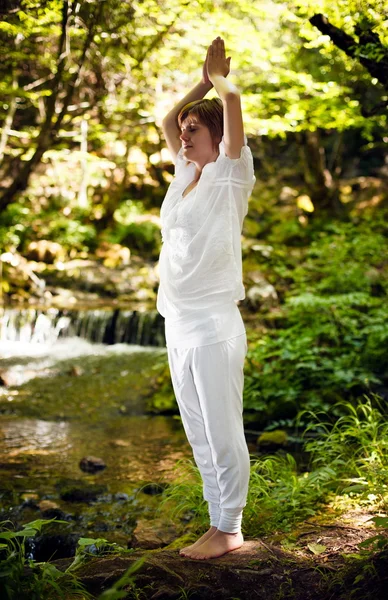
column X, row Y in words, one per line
column 183, row 136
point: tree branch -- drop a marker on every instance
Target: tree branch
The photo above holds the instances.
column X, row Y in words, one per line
column 354, row 49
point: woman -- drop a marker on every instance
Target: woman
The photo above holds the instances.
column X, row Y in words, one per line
column 200, row 282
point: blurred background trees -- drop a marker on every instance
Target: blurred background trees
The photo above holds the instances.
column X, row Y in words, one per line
column 84, row 86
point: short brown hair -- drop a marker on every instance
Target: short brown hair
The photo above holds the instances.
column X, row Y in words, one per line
column 210, row 112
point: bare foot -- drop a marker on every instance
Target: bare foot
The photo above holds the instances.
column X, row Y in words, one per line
column 200, row 541
column 218, row 544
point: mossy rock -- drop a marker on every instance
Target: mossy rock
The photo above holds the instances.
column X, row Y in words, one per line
column 162, row 403
column 273, row 438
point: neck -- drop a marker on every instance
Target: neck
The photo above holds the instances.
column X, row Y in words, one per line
column 200, row 164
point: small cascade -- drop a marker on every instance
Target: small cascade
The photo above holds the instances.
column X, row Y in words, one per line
column 102, row 326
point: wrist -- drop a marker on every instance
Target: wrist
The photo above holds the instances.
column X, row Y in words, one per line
column 216, row 77
column 207, row 85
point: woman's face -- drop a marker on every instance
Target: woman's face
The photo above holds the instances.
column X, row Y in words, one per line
column 197, row 142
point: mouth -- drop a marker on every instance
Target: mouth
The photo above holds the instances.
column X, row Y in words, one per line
column 186, row 146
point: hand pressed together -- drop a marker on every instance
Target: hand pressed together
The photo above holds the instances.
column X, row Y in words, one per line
column 216, row 62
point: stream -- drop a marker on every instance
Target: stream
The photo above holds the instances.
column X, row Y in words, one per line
column 65, row 398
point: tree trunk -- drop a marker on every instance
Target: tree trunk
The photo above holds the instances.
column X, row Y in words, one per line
column 51, row 124
column 319, row 181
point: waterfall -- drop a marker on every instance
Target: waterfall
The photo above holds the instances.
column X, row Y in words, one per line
column 103, row 326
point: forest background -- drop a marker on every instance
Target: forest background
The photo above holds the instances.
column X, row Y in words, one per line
column 84, row 87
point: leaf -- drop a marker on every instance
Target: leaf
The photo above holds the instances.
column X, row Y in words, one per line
column 380, row 521
column 316, row 548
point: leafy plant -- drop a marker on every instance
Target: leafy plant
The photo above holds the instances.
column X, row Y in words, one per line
column 22, row 578
column 328, row 340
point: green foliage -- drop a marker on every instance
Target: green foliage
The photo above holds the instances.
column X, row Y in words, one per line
column 185, row 495
column 143, row 56
column 331, row 341
column 68, row 232
column 43, row 580
column 13, row 225
column 359, row 438
column 162, row 398
column 279, row 497
column 377, row 542
column 143, row 237
column 21, row 225
column 349, row 458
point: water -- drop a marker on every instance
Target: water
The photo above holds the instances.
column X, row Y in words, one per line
column 72, row 398
column 100, row 325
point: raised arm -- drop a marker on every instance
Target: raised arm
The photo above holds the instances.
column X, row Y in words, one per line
column 170, row 122
column 218, row 68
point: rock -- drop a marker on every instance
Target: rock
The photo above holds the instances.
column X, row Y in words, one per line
column 15, row 377
column 121, row 497
column 263, row 295
column 51, row 510
column 113, row 255
column 165, row 574
column 46, row 505
column 79, row 491
column 120, row 443
column 6, row 378
column 273, row 439
column 92, row 464
column 153, row 534
column 76, row 371
column 46, row 547
column 153, row 488
column 45, row 251
column 259, row 570
column 29, row 499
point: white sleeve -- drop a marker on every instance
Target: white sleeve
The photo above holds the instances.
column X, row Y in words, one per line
column 239, row 169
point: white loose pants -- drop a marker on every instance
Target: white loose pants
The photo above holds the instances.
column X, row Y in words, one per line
column 208, row 382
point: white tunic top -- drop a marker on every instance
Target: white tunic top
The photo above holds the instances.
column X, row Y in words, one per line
column 200, row 263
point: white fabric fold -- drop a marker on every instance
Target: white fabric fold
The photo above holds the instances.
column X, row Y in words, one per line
column 200, row 262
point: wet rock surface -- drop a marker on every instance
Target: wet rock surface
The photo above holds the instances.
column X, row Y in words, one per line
column 153, row 534
column 92, row 464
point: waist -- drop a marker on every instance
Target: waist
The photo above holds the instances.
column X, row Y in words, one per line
column 199, row 314
column 204, row 327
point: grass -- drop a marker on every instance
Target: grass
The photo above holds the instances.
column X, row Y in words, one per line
column 348, row 458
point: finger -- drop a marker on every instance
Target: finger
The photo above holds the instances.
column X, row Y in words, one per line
column 219, row 48
column 222, row 48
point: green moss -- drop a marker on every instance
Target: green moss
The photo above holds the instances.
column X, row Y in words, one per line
column 273, row 438
column 161, row 402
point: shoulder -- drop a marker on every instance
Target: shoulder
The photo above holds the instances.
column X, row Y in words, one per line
column 239, row 168
column 245, row 153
